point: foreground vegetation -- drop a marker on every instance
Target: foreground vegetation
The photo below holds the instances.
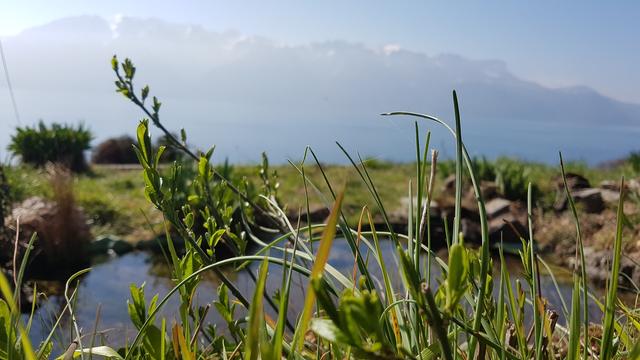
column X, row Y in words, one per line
column 451, row 316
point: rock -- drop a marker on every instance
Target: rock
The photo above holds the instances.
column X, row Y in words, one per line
column 121, row 247
column 100, row 246
column 397, row 219
column 316, row 214
column 574, row 182
column 634, row 185
column 507, row 228
column 471, row 230
column 404, row 206
column 610, row 196
column 449, row 184
column 489, row 190
column 598, row 266
column 610, row 190
column 496, row 207
column 106, row 244
column 590, row 199
column 610, row 185
column 63, row 234
column 160, row 243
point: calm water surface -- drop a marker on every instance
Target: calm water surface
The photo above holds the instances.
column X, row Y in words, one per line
column 107, row 287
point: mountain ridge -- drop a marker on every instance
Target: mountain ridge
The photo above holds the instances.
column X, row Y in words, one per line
column 207, row 78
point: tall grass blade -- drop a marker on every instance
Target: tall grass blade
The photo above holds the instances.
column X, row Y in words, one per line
column 256, row 316
column 485, row 255
column 580, row 252
column 438, row 325
column 607, row 350
column 322, row 257
column 396, row 316
column 278, row 337
column 538, row 309
column 574, row 322
column 344, row 228
column 458, row 198
column 27, row 349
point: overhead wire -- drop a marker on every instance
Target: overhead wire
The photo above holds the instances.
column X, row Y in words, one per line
column 8, row 79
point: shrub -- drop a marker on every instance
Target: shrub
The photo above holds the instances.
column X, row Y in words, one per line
column 634, row 160
column 512, row 178
column 484, row 168
column 58, row 143
column 115, row 151
column 4, row 199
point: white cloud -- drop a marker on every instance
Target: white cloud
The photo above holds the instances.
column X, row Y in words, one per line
column 113, row 25
column 390, row 49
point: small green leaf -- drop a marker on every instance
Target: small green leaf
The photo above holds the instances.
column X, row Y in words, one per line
column 203, row 168
column 326, row 329
column 144, row 92
column 156, row 105
column 457, row 275
column 183, row 136
column 256, row 315
column 114, row 63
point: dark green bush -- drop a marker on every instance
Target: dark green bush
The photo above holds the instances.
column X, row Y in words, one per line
column 115, row 151
column 58, row 143
column 634, row 160
column 513, row 177
column 484, row 168
column 4, row 199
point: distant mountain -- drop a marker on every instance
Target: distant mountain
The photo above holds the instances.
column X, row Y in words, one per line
column 248, row 93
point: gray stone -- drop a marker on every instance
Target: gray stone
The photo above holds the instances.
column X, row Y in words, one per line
column 449, row 183
column 634, row 185
column 610, row 185
column 574, row 182
column 496, row 207
column 506, row 228
column 316, row 214
column 610, row 196
column 404, row 205
column 590, row 199
column 106, row 244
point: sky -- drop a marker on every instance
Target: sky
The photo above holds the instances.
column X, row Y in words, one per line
column 249, row 76
column 555, row 43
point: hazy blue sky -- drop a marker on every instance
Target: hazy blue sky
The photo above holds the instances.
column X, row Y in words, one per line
column 555, row 43
column 534, row 78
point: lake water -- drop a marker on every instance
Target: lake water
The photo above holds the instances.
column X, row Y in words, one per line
column 107, row 286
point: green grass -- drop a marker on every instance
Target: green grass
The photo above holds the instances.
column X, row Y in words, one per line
column 113, row 198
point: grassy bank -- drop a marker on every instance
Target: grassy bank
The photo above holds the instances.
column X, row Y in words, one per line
column 114, row 201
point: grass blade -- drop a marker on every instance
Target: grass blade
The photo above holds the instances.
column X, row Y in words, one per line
column 322, row 257
column 256, row 316
column 580, row 252
column 607, row 350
